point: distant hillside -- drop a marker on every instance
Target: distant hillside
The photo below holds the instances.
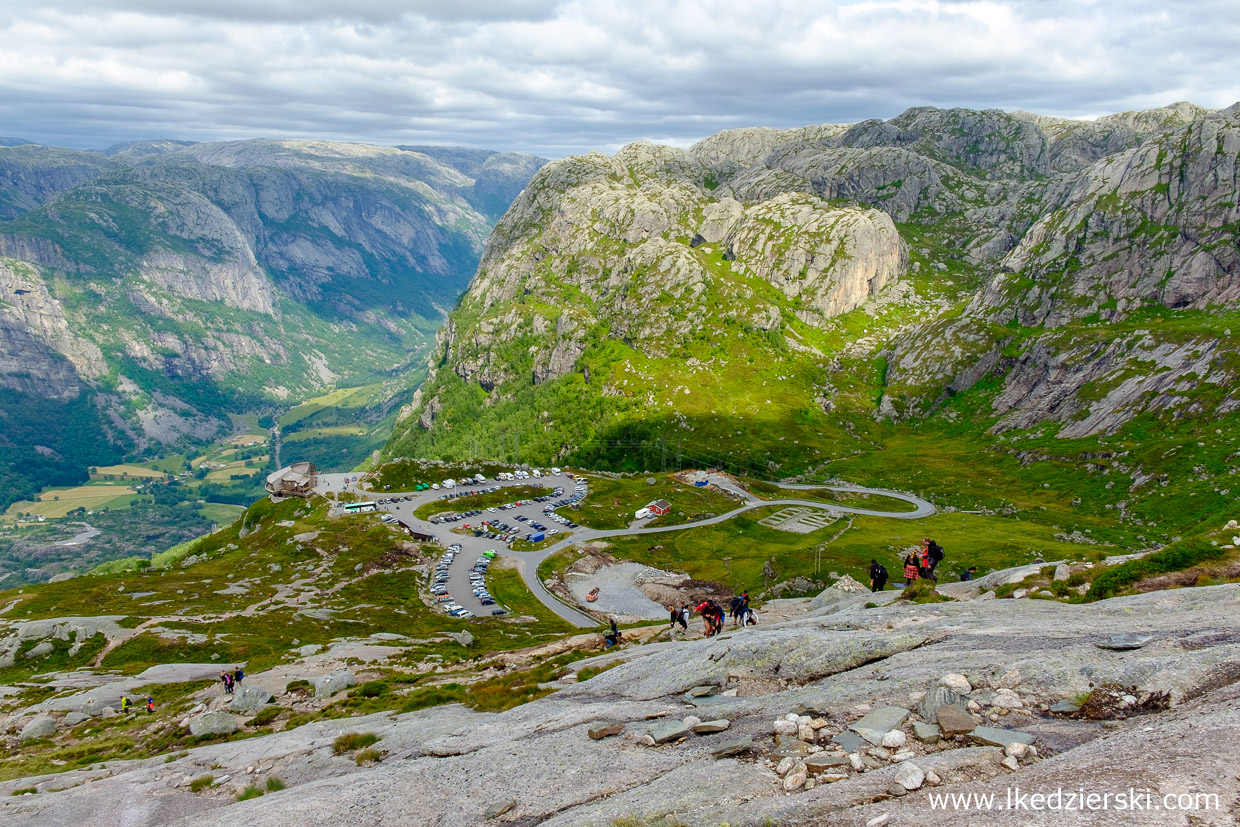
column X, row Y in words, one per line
column 152, row 291
column 971, row 283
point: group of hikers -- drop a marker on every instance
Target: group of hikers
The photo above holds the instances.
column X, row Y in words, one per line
column 127, row 704
column 920, row 564
column 712, row 613
column 232, row 680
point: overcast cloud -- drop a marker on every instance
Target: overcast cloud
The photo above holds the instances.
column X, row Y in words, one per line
column 556, row 78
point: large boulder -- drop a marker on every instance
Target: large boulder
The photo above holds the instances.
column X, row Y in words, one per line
column 327, row 685
column 213, row 723
column 41, row 727
column 249, row 699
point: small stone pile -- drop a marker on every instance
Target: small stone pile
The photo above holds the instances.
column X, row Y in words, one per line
column 809, row 751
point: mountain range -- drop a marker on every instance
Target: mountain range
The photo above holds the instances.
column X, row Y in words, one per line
column 786, row 302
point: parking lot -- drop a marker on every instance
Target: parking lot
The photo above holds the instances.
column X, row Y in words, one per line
column 457, row 581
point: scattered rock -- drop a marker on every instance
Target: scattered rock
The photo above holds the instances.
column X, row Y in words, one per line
column 873, row 726
column 736, row 746
column 1016, row 749
column 1065, row 707
column 42, row 726
column 937, row 697
column 1011, row 763
column 213, row 723
column 702, row 691
column 996, row 737
column 668, row 731
column 1010, row 679
column 499, row 808
column 75, row 718
column 1062, row 572
column 822, row 762
column 910, row 776
column 879, row 821
column 1123, row 643
column 711, row 727
column 894, row 739
column 786, row 728
column 463, row 638
column 605, row 729
column 796, row 778
column 850, row 742
column 956, row 683
column 927, row 733
column 249, row 699
column 954, row 719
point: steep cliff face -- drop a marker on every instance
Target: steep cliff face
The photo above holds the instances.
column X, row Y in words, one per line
column 183, row 282
column 800, row 285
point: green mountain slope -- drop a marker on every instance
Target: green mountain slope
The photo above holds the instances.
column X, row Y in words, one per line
column 948, row 291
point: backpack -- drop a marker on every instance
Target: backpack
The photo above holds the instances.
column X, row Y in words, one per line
column 880, row 573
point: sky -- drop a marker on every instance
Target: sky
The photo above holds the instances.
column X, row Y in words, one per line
column 559, row 78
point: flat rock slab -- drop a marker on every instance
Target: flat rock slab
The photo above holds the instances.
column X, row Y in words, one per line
column 711, row 727
column 850, row 742
column 669, row 731
column 1065, row 707
column 707, row 700
column 878, row 723
column 954, row 719
column 702, row 691
column 788, row 745
column 1123, row 643
column 996, row 737
column 605, row 729
column 499, row 808
column 927, row 733
column 735, row 746
column 821, row 762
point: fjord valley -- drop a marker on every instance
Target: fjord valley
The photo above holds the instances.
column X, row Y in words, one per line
column 164, row 304
column 549, row 398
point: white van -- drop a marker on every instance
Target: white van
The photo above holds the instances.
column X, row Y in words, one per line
column 555, row 471
column 434, row 486
column 449, row 483
column 479, row 478
column 537, row 473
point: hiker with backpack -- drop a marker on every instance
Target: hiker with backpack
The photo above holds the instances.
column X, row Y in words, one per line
column 878, row 576
column 934, row 556
column 683, row 620
column 227, row 679
column 238, row 676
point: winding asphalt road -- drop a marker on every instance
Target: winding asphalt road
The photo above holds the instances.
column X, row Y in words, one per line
column 528, row 562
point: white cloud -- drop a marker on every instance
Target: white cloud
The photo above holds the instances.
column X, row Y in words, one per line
column 564, row 77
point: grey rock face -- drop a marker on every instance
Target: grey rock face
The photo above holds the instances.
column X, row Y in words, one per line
column 213, row 723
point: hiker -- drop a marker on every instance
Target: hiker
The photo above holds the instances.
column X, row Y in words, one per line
column 126, row 704
column 935, row 553
column 227, row 679
column 735, row 607
column 748, row 618
column 150, row 705
column 967, row 574
column 878, row 576
column 238, row 676
column 911, row 569
column 674, row 616
column 613, row 636
column 684, row 618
